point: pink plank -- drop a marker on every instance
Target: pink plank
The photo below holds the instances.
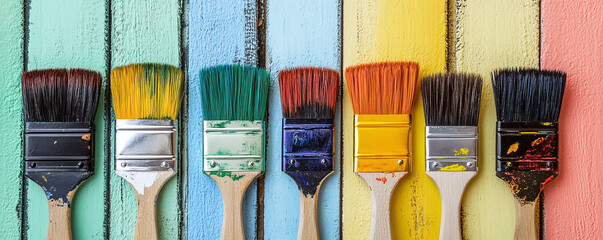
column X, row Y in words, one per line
column 572, row 41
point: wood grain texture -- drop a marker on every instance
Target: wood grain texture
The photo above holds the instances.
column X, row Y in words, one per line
column 451, row 186
column 572, row 41
column 59, row 218
column 144, row 32
column 71, row 34
column 381, row 186
column 387, row 31
column 233, row 190
column 525, row 221
column 308, row 217
column 299, row 34
column 11, row 56
column 490, row 35
column 220, row 32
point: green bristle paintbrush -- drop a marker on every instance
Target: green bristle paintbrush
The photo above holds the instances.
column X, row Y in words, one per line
column 234, row 102
column 146, row 99
column 59, row 106
column 451, row 103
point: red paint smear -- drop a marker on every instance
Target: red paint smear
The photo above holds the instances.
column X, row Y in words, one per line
column 542, row 148
column 383, row 179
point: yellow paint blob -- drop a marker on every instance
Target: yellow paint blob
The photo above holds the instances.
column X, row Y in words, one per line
column 461, row 152
column 454, row 168
column 513, row 148
column 86, row 137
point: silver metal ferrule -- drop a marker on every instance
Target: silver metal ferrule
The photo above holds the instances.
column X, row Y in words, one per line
column 451, row 148
column 233, row 145
column 145, row 145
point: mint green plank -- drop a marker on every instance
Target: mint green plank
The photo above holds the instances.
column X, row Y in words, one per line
column 144, row 31
column 70, row 34
column 11, row 57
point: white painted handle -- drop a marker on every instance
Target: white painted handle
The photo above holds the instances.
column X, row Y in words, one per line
column 381, row 186
column 451, row 186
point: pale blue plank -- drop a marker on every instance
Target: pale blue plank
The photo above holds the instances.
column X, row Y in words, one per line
column 220, row 32
column 299, row 33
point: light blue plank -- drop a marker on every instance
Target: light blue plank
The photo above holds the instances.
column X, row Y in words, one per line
column 299, row 33
column 220, row 32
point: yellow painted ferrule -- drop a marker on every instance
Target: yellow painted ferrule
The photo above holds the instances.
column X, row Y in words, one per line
column 382, row 143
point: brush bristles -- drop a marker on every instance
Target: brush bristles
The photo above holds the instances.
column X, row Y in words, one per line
column 451, row 99
column 382, row 88
column 528, row 95
column 234, row 92
column 309, row 93
column 146, row 91
column 60, row 95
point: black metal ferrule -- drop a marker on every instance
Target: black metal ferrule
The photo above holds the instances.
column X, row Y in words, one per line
column 527, row 146
column 58, row 146
column 307, row 145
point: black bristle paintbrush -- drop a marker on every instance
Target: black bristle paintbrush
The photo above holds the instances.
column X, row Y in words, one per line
column 308, row 98
column 59, row 106
column 451, row 103
column 528, row 103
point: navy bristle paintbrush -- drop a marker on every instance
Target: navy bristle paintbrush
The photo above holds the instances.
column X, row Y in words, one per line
column 528, row 103
column 308, row 98
column 59, row 106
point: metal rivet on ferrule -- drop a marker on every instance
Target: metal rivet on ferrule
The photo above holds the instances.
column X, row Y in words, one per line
column 250, row 164
column 291, row 161
column 509, row 164
column 400, row 162
column 80, row 164
column 470, row 164
column 164, row 164
column 436, row 165
column 123, row 164
column 33, row 165
column 324, row 161
column 212, row 163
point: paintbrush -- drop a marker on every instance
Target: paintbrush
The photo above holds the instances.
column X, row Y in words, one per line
column 146, row 100
column 234, row 100
column 382, row 96
column 308, row 98
column 59, row 107
column 451, row 103
column 528, row 103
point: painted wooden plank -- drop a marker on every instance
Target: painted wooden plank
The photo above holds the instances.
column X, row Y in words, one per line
column 299, row 34
column 387, row 31
column 71, row 34
column 572, row 37
column 220, row 32
column 143, row 32
column 11, row 56
column 491, row 35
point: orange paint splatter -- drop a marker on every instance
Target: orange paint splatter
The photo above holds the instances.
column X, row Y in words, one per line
column 86, row 137
column 513, row 148
column 383, row 179
column 537, row 141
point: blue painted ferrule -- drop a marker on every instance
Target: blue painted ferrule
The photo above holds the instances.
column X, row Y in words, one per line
column 307, row 144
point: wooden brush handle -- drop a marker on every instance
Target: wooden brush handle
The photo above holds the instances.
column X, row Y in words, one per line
column 59, row 219
column 525, row 221
column 147, row 186
column 233, row 187
column 381, row 186
column 308, row 221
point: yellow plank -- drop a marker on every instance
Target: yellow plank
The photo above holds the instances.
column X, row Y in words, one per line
column 490, row 35
column 387, row 31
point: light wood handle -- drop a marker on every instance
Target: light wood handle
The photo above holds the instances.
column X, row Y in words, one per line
column 308, row 221
column 525, row 221
column 147, row 185
column 59, row 219
column 381, row 186
column 233, row 187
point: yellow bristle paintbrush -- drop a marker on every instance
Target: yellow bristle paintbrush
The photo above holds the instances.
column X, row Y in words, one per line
column 382, row 96
column 146, row 99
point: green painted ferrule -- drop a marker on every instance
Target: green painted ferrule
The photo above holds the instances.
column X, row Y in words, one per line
column 233, row 145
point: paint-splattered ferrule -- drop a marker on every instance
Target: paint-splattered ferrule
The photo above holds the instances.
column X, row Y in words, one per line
column 145, row 145
column 451, row 148
column 233, row 145
column 58, row 146
column 527, row 146
column 382, row 143
column 307, row 145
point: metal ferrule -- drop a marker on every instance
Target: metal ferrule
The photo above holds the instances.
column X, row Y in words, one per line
column 233, row 145
column 382, row 143
column 58, row 146
column 145, row 145
column 527, row 146
column 307, row 145
column 451, row 148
